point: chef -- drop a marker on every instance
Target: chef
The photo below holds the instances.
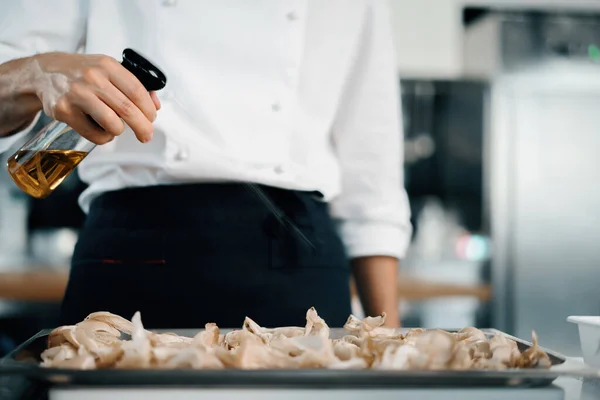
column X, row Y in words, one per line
column 297, row 97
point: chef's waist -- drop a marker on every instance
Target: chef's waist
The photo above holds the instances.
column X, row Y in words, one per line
column 172, row 206
column 111, row 175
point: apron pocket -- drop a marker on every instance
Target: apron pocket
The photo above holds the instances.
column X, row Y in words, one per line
column 117, row 270
column 289, row 251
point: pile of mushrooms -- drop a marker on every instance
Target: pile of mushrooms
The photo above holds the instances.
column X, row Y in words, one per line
column 105, row 340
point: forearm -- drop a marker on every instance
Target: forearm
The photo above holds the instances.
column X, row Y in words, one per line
column 18, row 101
column 376, row 280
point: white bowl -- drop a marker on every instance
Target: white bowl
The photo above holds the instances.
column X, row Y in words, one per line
column 589, row 338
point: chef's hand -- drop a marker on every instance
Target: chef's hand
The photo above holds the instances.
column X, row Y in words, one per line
column 72, row 86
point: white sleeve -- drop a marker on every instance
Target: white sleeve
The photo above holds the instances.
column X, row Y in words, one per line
column 373, row 210
column 28, row 27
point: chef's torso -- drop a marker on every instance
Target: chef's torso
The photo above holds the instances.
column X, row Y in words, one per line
column 252, row 90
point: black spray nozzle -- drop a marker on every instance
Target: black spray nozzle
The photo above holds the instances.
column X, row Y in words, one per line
column 151, row 77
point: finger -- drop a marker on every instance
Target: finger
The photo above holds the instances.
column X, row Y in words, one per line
column 73, row 116
column 128, row 111
column 81, row 123
column 131, row 87
column 102, row 114
column 156, row 100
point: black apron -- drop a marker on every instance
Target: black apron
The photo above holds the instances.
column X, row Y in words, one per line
column 187, row 255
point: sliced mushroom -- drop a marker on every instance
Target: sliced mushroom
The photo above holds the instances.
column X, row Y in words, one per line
column 438, row 346
column 59, row 335
column 470, row 335
column 504, row 350
column 533, row 357
column 169, row 339
column 400, row 357
column 137, row 352
column 267, row 333
column 195, row 358
column 84, row 361
column 97, row 342
column 93, row 334
column 59, row 353
column 209, row 337
column 113, row 320
column 345, row 350
column 315, row 325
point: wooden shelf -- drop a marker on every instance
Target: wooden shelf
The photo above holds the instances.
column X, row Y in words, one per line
column 412, row 289
column 50, row 286
column 34, row 286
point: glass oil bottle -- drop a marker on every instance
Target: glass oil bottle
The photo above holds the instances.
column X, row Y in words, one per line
column 43, row 163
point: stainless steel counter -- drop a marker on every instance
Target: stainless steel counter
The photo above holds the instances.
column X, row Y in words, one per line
column 230, row 394
column 578, row 389
column 563, row 389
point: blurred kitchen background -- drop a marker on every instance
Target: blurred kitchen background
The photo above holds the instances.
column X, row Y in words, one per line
column 500, row 102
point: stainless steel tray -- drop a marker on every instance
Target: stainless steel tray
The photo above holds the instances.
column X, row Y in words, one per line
column 24, row 361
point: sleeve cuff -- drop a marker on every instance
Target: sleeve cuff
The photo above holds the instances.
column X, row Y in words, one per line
column 8, row 141
column 364, row 239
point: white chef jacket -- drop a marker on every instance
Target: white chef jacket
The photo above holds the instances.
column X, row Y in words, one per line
column 296, row 94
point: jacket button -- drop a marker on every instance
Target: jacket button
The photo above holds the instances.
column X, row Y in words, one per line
column 182, row 155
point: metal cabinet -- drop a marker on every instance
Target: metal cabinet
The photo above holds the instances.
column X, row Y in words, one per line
column 544, row 152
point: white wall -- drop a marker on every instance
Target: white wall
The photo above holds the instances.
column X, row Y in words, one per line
column 428, row 35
